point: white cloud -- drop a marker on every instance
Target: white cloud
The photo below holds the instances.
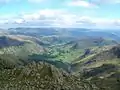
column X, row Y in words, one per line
column 99, row 2
column 19, row 21
column 91, row 3
column 82, row 3
column 106, row 23
column 31, row 16
column 59, row 18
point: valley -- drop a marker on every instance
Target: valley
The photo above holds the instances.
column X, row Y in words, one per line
column 59, row 59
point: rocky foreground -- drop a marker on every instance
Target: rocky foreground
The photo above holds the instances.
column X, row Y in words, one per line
column 41, row 76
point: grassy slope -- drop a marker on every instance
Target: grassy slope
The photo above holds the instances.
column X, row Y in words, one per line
column 74, row 49
column 26, row 49
column 100, row 64
column 12, row 56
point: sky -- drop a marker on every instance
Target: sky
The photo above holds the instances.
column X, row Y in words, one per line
column 98, row 14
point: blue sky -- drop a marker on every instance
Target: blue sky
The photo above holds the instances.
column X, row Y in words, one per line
column 104, row 14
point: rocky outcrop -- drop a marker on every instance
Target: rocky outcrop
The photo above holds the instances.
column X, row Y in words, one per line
column 42, row 76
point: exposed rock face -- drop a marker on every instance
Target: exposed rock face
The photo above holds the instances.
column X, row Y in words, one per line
column 116, row 51
column 42, row 76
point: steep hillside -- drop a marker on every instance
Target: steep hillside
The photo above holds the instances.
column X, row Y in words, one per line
column 15, row 51
column 91, row 42
column 103, row 63
column 26, row 49
column 6, row 42
column 107, row 83
column 42, row 76
column 18, row 45
column 73, row 50
column 25, row 38
column 8, row 61
column 16, row 56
